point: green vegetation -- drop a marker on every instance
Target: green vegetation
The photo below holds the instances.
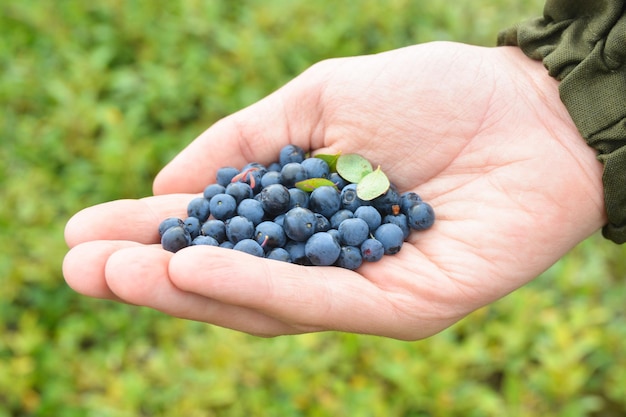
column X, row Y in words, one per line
column 97, row 96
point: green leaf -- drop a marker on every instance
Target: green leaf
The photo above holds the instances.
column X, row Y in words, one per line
column 331, row 160
column 372, row 185
column 353, row 167
column 313, row 183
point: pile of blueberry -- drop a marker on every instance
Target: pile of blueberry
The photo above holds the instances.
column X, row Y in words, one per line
column 261, row 210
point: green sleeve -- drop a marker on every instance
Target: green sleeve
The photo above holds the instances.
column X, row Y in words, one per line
column 582, row 43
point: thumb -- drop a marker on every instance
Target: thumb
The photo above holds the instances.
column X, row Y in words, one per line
column 256, row 133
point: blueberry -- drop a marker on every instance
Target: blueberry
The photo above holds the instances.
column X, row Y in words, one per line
column 175, row 238
column 298, row 198
column 407, row 200
column 372, row 250
column 239, row 190
column 290, row 153
column 249, row 246
column 223, row 206
column 371, row 216
column 349, row 198
column 391, row 236
column 337, row 180
column 279, row 254
column 225, row 175
column 199, row 208
column 325, row 200
column 205, row 240
column 421, row 216
column 215, row 229
column 401, row 221
column 340, row 216
column 353, row 232
column 239, row 228
column 274, row 166
column 275, row 199
column 270, row 177
column 270, row 235
column 389, row 202
column 292, row 173
column 169, row 222
column 322, row 249
column 192, row 226
column 316, row 168
column 213, row 189
column 297, row 252
column 252, row 210
column 227, row 244
column 299, row 224
column 349, row 257
column 322, row 224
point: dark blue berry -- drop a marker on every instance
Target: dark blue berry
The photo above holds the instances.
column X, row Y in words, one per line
column 169, row 222
column 322, row 224
column 316, row 168
column 389, row 202
column 322, row 249
column 205, row 240
column 239, row 190
column 213, row 189
column 353, row 232
column 239, row 228
column 225, row 175
column 192, row 226
column 275, row 199
column 249, row 246
column 401, row 221
column 372, row 250
column 299, row 224
column 370, row 215
column 349, row 198
column 223, row 206
column 407, row 200
column 421, row 216
column 175, row 238
column 391, row 236
column 337, row 180
column 270, row 235
column 298, row 198
column 325, row 200
column 349, row 258
column 279, row 254
column 215, row 229
column 292, row 173
column 291, row 153
column 252, row 210
column 199, row 208
column 340, row 216
column 270, row 177
column 297, row 252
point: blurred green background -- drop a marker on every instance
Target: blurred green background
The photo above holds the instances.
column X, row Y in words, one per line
column 97, row 96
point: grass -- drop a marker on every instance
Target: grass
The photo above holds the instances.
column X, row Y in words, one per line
column 96, row 97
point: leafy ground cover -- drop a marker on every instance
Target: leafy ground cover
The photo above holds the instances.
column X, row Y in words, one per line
column 97, row 96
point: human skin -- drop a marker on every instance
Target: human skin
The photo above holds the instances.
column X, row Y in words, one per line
column 480, row 133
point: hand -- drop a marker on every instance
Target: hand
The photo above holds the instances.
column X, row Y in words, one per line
column 480, row 133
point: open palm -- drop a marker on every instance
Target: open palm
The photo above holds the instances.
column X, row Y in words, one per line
column 480, row 133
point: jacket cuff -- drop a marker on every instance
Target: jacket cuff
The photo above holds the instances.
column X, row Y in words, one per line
column 584, row 47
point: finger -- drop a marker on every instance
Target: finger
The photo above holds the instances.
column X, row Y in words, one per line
column 83, row 267
column 307, row 298
column 254, row 134
column 136, row 220
column 139, row 275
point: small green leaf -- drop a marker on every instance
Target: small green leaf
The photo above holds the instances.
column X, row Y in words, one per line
column 331, row 160
column 313, row 183
column 372, row 185
column 353, row 167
